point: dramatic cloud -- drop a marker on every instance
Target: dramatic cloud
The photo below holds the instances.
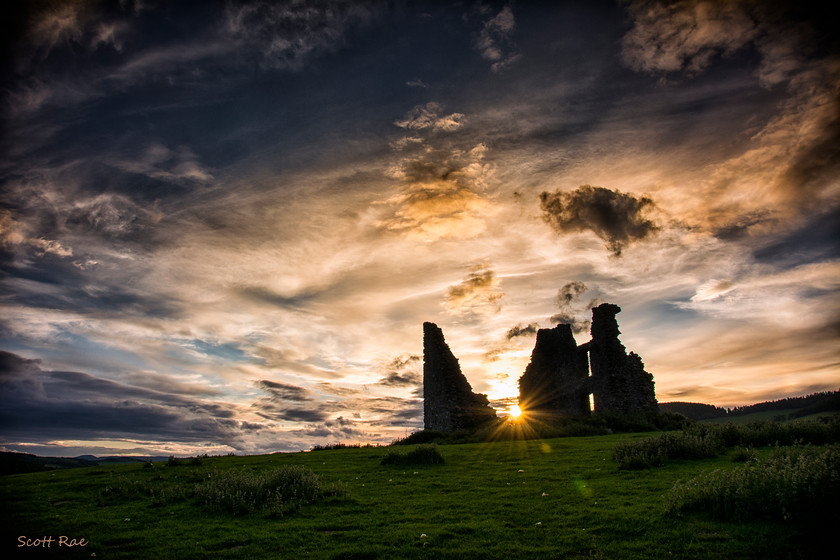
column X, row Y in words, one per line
column 441, row 193
column 672, row 36
column 429, row 116
column 495, row 43
column 287, row 34
column 478, row 293
column 223, row 224
column 403, row 372
column 569, row 293
column 520, row 330
column 283, row 392
column 616, row 217
column 75, row 405
column 571, row 310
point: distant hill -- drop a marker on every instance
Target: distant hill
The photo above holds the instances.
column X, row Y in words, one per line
column 17, row 463
column 695, row 411
column 791, row 407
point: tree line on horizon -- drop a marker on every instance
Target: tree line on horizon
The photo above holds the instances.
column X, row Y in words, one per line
column 825, row 401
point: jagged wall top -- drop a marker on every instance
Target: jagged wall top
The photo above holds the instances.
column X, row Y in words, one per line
column 449, row 404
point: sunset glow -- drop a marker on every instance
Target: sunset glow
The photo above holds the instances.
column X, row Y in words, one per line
column 223, row 225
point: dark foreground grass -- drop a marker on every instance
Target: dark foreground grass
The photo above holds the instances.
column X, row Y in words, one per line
column 561, row 498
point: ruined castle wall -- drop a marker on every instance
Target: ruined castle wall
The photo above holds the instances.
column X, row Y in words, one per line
column 555, row 381
column 620, row 383
column 448, row 401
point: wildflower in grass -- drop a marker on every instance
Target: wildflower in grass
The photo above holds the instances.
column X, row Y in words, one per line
column 521, row 470
column 544, row 494
column 423, row 535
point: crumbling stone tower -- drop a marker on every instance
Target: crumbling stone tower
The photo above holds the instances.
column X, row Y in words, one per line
column 620, row 383
column 556, row 380
column 449, row 404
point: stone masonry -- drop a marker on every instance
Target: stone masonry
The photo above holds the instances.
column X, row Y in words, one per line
column 558, row 380
column 449, row 405
column 620, row 383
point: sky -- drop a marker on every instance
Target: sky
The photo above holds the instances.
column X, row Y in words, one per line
column 223, row 224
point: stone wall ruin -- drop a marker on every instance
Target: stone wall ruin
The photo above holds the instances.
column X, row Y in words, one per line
column 449, row 405
column 556, row 383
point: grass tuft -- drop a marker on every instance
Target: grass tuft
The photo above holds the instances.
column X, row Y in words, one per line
column 421, row 455
column 273, row 492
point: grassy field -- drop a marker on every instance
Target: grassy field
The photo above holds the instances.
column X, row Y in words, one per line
column 560, row 498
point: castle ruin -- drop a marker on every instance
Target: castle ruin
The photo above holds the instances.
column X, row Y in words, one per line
column 449, row 405
column 557, row 381
column 562, row 375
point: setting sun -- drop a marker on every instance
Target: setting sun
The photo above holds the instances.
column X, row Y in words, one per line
column 515, row 411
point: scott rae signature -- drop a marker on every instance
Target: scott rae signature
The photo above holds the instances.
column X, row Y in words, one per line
column 47, row 542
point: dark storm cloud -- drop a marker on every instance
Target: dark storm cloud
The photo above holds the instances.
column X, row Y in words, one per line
column 520, row 330
column 283, row 392
column 616, row 217
column 41, row 405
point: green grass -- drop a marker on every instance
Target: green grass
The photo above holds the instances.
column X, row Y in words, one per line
column 560, row 498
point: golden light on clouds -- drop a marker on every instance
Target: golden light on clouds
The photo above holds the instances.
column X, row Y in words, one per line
column 269, row 205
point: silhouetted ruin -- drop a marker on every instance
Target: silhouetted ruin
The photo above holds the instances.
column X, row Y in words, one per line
column 620, row 383
column 449, row 404
column 557, row 377
column 557, row 381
